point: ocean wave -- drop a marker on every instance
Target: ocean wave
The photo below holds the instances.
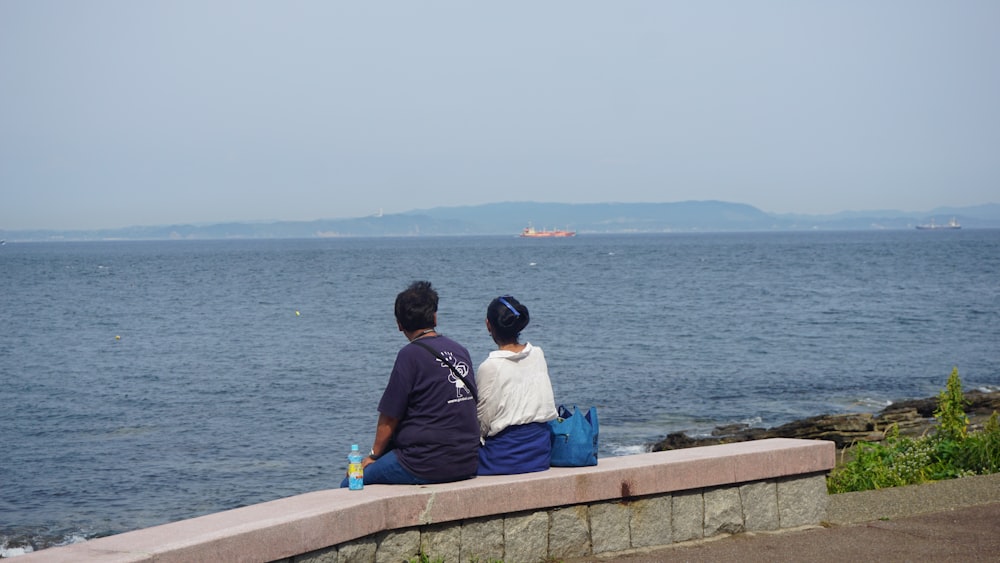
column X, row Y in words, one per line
column 14, row 546
column 623, row 450
column 6, row 551
column 869, row 402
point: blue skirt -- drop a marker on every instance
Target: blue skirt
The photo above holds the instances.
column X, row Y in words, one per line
column 524, row 448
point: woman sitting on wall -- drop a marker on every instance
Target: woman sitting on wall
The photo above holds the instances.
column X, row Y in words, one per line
column 515, row 396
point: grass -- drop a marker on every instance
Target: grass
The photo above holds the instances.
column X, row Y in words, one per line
column 423, row 558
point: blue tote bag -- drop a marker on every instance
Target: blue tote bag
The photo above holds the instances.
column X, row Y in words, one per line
column 574, row 438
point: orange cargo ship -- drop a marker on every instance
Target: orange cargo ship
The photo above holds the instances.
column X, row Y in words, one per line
column 530, row 232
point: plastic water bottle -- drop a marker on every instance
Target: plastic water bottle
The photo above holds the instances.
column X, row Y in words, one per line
column 355, row 471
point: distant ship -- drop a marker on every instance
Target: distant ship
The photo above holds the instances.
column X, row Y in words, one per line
column 953, row 224
column 531, row 232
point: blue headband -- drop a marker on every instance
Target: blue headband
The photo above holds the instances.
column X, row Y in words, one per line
column 503, row 299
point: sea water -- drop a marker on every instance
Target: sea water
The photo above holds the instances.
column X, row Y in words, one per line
column 147, row 382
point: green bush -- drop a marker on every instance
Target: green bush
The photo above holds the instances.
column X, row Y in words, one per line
column 953, row 424
column 980, row 452
column 951, row 451
column 896, row 462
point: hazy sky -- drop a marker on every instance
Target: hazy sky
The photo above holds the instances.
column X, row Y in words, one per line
column 118, row 113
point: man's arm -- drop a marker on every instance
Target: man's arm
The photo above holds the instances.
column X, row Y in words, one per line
column 383, row 436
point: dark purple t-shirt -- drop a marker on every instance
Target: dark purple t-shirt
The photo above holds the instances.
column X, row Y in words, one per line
column 438, row 433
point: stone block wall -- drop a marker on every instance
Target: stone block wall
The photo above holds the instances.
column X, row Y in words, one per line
column 624, row 503
column 600, row 528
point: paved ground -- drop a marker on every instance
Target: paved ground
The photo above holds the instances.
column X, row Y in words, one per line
column 952, row 521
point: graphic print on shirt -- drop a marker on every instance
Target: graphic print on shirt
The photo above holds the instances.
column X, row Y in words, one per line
column 462, row 393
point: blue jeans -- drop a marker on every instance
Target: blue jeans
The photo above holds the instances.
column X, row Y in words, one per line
column 387, row 470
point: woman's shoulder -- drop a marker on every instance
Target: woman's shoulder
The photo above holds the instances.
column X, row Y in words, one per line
column 533, row 349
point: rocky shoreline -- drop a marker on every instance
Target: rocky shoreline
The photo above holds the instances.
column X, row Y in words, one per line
column 913, row 417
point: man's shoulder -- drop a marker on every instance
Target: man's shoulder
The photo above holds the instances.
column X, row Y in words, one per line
column 438, row 344
column 454, row 345
column 443, row 342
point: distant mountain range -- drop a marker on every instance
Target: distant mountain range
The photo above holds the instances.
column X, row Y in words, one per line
column 510, row 218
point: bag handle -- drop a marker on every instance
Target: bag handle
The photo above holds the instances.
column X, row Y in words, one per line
column 438, row 355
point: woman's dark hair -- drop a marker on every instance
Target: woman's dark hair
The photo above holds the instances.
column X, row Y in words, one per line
column 416, row 305
column 507, row 317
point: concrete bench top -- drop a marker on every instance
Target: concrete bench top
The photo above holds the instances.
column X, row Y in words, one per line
column 303, row 523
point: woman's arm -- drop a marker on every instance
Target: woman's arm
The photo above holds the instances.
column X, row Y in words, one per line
column 486, row 409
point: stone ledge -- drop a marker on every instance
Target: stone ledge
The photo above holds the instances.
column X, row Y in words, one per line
column 304, row 523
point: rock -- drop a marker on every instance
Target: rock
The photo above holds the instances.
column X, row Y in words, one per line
column 901, row 417
column 979, row 402
column 811, row 427
column 982, row 402
column 904, row 419
column 680, row 440
column 730, row 429
column 924, row 407
column 912, row 417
